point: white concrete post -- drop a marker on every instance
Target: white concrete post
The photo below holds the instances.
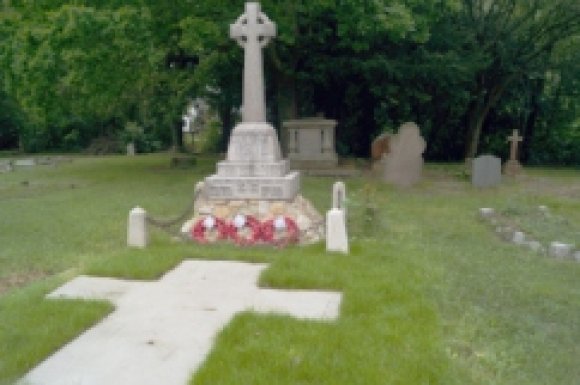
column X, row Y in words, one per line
column 137, row 228
column 336, row 235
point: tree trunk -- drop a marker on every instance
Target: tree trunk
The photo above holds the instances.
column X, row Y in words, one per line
column 478, row 113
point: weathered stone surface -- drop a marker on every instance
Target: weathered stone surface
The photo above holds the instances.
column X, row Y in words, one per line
column 560, row 250
column 254, row 168
column 486, row 171
column 162, row 331
column 513, row 167
column 519, row 238
column 24, row 162
column 311, row 143
column 137, row 228
column 380, row 146
column 404, row 162
column 486, row 212
column 6, row 166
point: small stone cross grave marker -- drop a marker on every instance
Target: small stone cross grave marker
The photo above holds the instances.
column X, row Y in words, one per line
column 162, row 331
column 513, row 166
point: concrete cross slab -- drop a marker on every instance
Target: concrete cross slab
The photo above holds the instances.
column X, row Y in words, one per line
column 162, row 331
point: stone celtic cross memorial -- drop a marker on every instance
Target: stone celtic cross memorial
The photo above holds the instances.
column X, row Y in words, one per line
column 254, row 168
column 161, row 331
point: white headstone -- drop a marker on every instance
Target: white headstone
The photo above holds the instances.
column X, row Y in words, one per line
column 137, row 228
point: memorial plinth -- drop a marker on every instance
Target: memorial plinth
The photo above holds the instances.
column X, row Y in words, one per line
column 254, row 180
column 311, row 143
column 254, row 168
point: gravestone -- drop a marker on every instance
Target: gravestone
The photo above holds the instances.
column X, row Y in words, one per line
column 311, row 143
column 336, row 233
column 486, row 171
column 513, row 166
column 24, row 162
column 403, row 165
column 131, row 149
column 380, row 146
column 6, row 166
column 162, row 331
column 254, row 168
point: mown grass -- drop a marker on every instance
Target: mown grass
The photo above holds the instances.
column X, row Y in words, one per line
column 431, row 295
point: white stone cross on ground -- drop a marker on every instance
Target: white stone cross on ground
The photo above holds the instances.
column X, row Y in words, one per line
column 515, row 139
column 253, row 31
column 162, row 331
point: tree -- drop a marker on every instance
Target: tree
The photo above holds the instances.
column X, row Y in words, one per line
column 512, row 39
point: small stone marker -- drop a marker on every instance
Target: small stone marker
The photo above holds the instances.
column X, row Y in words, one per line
column 486, row 171
column 519, row 238
column 137, row 228
column 560, row 250
column 131, row 149
column 24, row 162
column 6, row 166
column 162, row 331
column 336, row 234
column 513, row 167
column 486, row 212
column 404, row 162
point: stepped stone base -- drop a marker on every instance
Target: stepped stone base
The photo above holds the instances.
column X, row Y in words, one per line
column 309, row 221
column 254, row 168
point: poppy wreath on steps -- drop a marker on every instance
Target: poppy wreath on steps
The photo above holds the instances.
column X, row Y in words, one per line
column 245, row 230
column 280, row 231
column 209, row 229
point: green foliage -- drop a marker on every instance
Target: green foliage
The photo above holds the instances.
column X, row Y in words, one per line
column 467, row 71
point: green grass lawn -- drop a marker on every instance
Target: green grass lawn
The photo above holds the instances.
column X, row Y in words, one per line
column 431, row 295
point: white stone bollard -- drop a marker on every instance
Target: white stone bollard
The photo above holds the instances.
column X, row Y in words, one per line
column 336, row 237
column 137, row 228
column 560, row 250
